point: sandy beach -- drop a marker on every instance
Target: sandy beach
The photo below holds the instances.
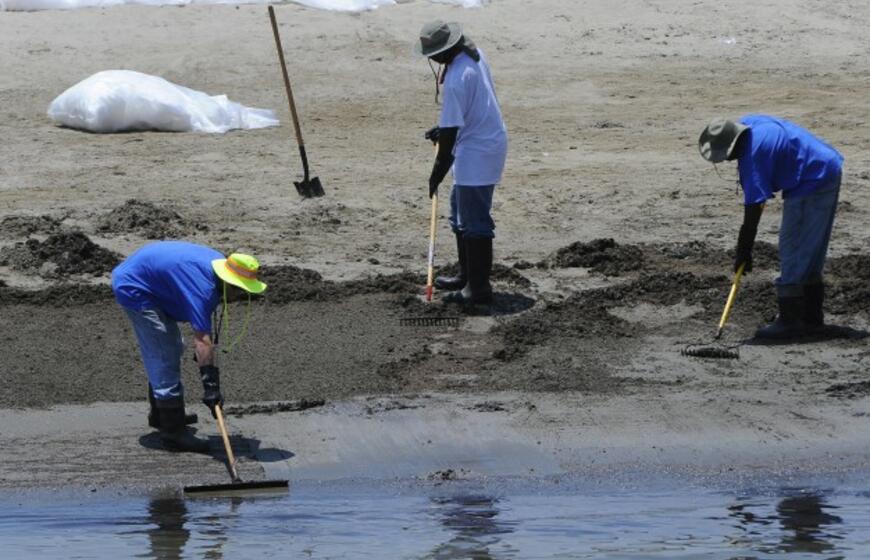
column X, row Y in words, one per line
column 613, row 251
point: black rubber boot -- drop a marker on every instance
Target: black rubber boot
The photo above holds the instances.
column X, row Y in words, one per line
column 789, row 323
column 173, row 433
column 479, row 269
column 455, row 282
column 814, row 299
column 478, row 290
column 154, row 417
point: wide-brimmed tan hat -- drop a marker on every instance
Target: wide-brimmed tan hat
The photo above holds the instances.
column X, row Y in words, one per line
column 437, row 36
column 718, row 139
column 239, row 270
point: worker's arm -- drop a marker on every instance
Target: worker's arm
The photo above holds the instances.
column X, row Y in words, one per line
column 746, row 238
column 208, row 372
column 443, row 159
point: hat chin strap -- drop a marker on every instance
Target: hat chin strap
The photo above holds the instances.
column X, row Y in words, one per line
column 736, row 181
column 439, row 78
column 225, row 318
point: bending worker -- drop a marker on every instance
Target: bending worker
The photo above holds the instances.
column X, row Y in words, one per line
column 165, row 283
column 776, row 155
column 472, row 138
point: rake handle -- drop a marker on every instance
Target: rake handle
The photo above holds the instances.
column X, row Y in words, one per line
column 732, row 295
column 430, row 273
column 431, row 269
column 231, row 459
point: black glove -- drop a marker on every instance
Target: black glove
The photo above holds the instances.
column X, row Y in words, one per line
column 433, row 134
column 743, row 254
column 211, row 387
column 439, row 170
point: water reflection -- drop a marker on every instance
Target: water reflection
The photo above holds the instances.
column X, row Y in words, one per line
column 804, row 522
column 215, row 529
column 173, row 525
column 802, row 516
column 169, row 535
column 476, row 531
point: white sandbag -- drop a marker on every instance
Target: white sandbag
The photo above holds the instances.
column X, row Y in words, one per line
column 122, row 100
column 345, row 5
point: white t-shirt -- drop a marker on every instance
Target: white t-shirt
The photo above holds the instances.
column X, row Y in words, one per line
column 470, row 104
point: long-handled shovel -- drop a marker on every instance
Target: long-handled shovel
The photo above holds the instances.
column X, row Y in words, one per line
column 307, row 187
column 237, row 486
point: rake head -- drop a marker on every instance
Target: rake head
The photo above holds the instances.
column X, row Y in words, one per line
column 720, row 352
column 429, row 321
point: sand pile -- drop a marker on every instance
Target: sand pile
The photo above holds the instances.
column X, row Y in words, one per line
column 148, row 220
column 25, row 226
column 61, row 254
column 604, row 256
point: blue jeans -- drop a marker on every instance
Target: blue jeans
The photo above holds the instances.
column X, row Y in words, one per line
column 161, row 346
column 803, row 239
column 470, row 209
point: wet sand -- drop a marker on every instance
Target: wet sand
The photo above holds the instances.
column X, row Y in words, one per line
column 613, row 247
column 437, row 439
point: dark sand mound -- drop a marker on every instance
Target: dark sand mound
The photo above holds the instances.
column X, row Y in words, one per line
column 61, row 254
column 62, row 295
column 148, row 220
column 291, row 283
column 25, row 226
column 607, row 257
column 604, row 256
column 850, row 267
column 700, row 253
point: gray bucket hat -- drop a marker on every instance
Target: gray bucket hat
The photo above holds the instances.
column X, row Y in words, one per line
column 437, row 36
column 718, row 139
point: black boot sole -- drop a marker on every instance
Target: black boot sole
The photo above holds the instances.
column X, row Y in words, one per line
column 188, row 420
column 448, row 285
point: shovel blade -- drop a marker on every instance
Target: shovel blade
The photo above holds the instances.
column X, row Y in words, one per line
column 310, row 188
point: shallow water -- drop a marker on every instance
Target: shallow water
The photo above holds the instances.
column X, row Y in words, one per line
column 444, row 522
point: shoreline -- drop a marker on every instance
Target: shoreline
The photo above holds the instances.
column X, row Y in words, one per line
column 427, row 440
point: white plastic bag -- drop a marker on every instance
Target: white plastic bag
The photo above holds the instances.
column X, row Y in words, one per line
column 123, row 100
column 337, row 5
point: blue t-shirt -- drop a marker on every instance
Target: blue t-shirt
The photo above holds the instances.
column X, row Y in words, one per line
column 173, row 276
column 780, row 155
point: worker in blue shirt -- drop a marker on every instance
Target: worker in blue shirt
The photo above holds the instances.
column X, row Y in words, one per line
column 472, row 141
column 775, row 155
column 165, row 283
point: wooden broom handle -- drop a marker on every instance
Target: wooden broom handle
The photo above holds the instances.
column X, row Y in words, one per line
column 230, row 457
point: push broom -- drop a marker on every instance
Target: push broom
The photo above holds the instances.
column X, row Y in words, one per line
column 237, row 487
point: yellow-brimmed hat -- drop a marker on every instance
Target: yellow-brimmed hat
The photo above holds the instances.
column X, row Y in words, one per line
column 239, row 270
